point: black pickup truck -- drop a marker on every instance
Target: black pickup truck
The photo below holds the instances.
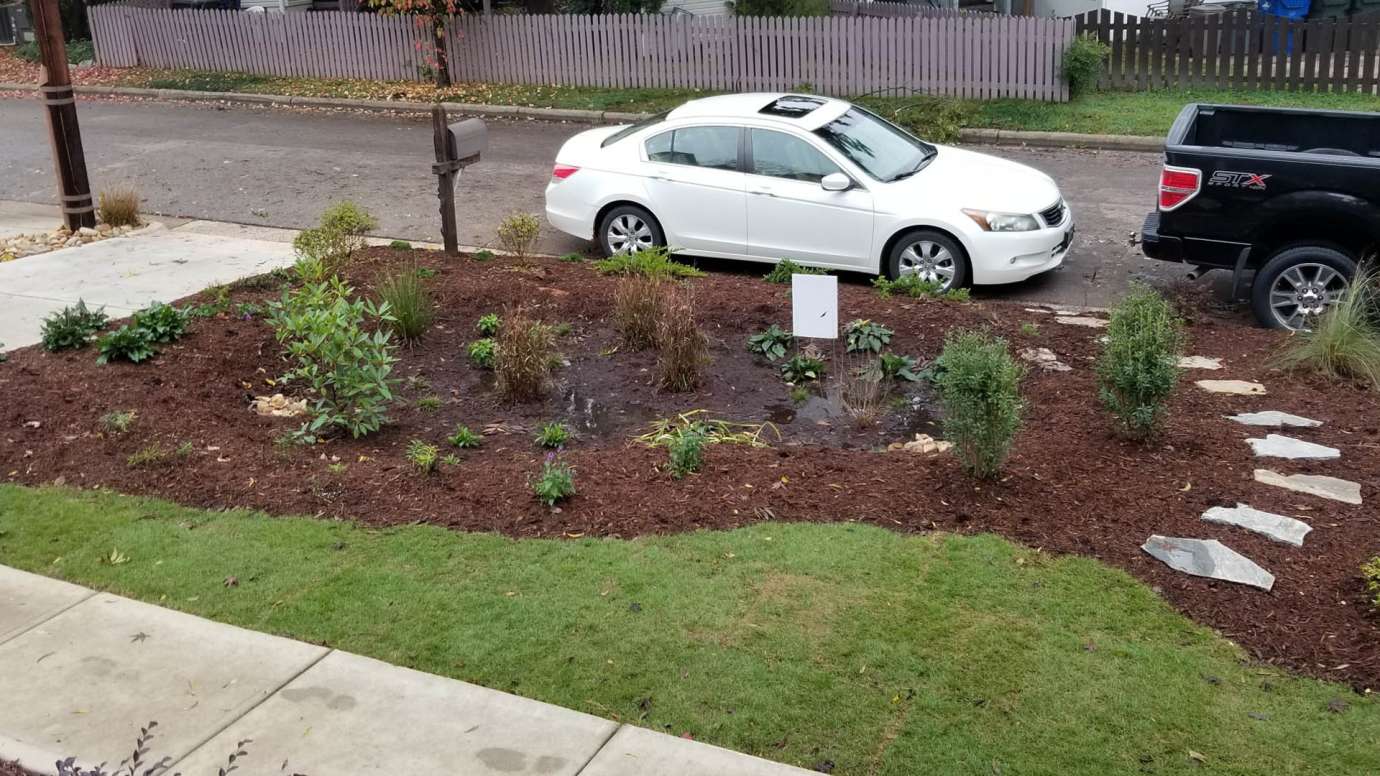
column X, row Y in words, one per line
column 1288, row 198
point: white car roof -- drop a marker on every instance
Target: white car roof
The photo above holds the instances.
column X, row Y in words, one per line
column 750, row 105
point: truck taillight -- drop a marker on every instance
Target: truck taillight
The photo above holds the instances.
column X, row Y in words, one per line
column 562, row 171
column 1178, row 185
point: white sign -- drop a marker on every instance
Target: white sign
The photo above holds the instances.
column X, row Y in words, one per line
column 815, row 306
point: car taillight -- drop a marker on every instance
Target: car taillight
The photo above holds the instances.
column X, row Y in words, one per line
column 1178, row 185
column 562, row 171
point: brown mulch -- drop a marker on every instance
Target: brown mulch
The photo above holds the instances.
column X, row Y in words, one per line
column 8, row 768
column 1071, row 486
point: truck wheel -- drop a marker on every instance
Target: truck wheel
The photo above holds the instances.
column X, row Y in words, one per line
column 1298, row 283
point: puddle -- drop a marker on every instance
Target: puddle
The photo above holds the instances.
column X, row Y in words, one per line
column 592, row 417
column 822, row 418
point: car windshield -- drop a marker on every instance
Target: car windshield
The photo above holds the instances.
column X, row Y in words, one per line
column 882, row 149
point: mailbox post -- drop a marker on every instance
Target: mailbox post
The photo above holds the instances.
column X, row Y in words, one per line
column 458, row 146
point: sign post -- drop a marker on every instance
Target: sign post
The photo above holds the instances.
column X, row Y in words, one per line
column 55, row 84
column 458, row 146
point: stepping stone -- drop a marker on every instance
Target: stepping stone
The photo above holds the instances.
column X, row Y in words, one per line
column 1208, row 558
column 1045, row 359
column 1278, row 527
column 1278, row 446
column 1274, row 418
column 1199, row 362
column 1313, row 484
column 1236, row 387
column 1081, row 320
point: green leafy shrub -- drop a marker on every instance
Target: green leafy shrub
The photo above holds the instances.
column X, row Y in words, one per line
column 1030, row 329
column 913, row 286
column 1083, row 61
column 518, row 234
column 72, row 327
column 118, row 206
column 979, row 388
column 552, row 435
column 783, row 270
column 653, row 262
column 400, row 245
column 482, row 255
column 488, row 324
column 937, row 119
column 555, row 482
column 682, row 349
column 78, row 51
column 347, row 368
column 118, row 421
column 637, row 303
column 482, row 352
column 863, row 336
column 1344, row 343
column 464, row 438
column 1370, row 572
column 573, row 258
column 127, row 343
column 1138, row 368
column 802, row 367
column 771, row 343
column 898, row 367
column 686, row 454
column 163, row 322
column 349, row 218
column 524, row 354
column 406, row 296
column 322, row 251
column 423, row 456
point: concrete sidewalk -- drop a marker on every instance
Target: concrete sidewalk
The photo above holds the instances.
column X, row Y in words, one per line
column 83, row 670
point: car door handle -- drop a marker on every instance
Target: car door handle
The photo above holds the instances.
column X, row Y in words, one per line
column 762, row 192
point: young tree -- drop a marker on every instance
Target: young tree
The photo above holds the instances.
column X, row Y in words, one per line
column 431, row 15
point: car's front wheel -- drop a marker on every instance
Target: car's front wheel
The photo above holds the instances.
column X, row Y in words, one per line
column 932, row 256
column 1298, row 284
column 629, row 229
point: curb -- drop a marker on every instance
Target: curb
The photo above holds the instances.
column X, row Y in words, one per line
column 969, row 135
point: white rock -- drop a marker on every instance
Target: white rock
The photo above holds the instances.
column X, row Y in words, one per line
column 1313, row 484
column 87, row 231
column 1273, row 418
column 1237, row 387
column 1279, row 446
column 1081, row 320
column 1281, row 528
column 1208, row 558
column 1045, row 359
column 1199, row 362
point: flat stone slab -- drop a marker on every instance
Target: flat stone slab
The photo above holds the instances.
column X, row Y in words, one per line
column 1199, row 362
column 1274, row 418
column 1081, row 320
column 1045, row 359
column 1237, row 387
column 350, row 715
column 81, row 683
column 1281, row 528
column 1208, row 558
column 636, row 751
column 1313, row 484
column 1279, row 446
column 28, row 599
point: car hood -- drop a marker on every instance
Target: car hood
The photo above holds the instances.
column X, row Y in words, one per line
column 981, row 182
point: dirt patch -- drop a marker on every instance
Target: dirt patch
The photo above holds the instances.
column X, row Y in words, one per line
column 1071, row 485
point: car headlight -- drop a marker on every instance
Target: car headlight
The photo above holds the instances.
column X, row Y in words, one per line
column 1003, row 222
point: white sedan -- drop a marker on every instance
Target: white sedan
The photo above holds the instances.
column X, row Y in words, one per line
column 765, row 177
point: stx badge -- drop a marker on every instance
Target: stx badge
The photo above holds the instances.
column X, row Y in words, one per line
column 1238, row 180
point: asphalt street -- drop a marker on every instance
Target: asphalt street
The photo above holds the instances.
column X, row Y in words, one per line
column 280, row 167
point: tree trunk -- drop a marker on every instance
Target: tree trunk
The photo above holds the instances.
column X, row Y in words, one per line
column 438, row 39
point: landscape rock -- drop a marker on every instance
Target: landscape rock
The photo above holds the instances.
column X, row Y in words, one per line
column 922, row 443
column 1313, row 484
column 278, row 406
column 1081, row 320
column 1281, row 528
column 1045, row 359
column 1236, row 387
column 1279, row 446
column 1199, row 362
column 1274, row 418
column 1208, row 558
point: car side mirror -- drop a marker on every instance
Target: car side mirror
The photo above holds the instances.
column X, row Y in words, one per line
column 836, row 181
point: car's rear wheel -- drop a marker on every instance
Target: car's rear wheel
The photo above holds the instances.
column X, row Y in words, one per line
column 932, row 256
column 1298, row 284
column 629, row 229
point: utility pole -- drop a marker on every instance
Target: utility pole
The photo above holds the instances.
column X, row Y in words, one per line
column 55, row 84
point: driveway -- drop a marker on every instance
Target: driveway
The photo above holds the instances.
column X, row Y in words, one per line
column 280, row 167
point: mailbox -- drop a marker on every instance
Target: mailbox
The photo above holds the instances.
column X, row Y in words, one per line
column 468, row 139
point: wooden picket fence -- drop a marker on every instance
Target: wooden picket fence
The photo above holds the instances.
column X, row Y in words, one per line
column 963, row 56
column 1238, row 50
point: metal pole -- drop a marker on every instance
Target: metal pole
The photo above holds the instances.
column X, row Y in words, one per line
column 55, row 84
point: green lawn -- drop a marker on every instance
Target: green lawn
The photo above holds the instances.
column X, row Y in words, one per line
column 802, row 643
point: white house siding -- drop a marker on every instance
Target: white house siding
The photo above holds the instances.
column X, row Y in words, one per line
column 1075, row 7
column 696, row 7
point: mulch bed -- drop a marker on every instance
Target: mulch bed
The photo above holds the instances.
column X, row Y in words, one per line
column 1071, row 486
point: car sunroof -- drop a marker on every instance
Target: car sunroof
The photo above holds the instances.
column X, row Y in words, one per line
column 792, row 106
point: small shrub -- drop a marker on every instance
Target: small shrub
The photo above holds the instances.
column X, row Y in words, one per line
column 1083, row 61
column 400, row 245
column 897, row 367
column 573, row 258
column 163, row 322
column 555, row 482
column 429, row 403
column 1030, row 329
column 72, row 327
column 1138, row 369
column 155, row 454
column 118, row 421
column 524, row 352
column 781, row 273
column 406, row 297
column 1344, row 343
column 552, row 435
column 483, row 255
column 864, row 336
column 637, row 303
column 482, row 352
column 451, row 460
column 127, row 343
column 686, row 454
column 654, row 262
column 346, row 217
column 860, row 390
column 1370, row 572
column 423, row 456
column 118, row 206
column 682, row 349
column 488, row 324
column 518, row 234
column 464, row 438
column 425, row 273
column 802, row 368
column 563, row 329
column 979, row 388
column 771, row 343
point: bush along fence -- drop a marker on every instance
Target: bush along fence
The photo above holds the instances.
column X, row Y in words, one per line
column 1242, row 50
column 952, row 55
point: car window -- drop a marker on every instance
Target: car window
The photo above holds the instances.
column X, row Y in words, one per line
column 882, row 149
column 715, row 147
column 633, row 129
column 785, row 156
